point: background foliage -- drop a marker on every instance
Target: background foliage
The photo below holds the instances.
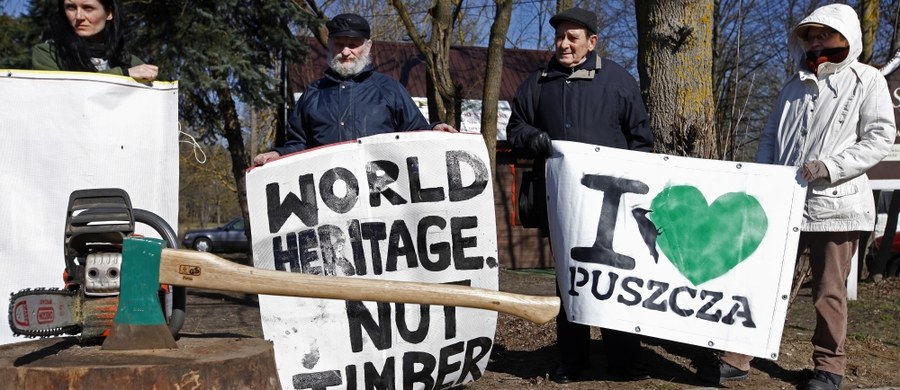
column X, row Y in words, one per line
column 227, row 56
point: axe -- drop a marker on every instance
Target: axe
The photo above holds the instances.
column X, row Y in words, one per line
column 146, row 263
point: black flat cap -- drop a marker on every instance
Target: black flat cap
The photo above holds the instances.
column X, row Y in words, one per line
column 348, row 25
column 576, row 15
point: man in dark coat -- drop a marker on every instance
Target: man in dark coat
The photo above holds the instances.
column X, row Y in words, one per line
column 582, row 97
column 352, row 100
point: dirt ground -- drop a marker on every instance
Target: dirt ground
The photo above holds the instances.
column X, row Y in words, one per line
column 524, row 354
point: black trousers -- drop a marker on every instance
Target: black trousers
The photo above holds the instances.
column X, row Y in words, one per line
column 622, row 349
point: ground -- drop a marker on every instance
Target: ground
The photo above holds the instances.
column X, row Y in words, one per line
column 524, row 353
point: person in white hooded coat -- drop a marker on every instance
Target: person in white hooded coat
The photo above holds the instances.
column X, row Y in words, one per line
column 833, row 120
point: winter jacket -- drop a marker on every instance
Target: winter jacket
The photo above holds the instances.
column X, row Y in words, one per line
column 44, row 57
column 598, row 102
column 843, row 117
column 334, row 109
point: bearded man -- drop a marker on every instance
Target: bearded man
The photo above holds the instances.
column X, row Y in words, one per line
column 352, row 100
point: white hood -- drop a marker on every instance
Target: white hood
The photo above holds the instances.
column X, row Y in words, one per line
column 840, row 17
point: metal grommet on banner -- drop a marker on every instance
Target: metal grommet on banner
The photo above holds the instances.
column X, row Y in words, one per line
column 637, row 329
column 710, row 343
column 784, row 297
column 796, row 229
column 665, row 158
column 597, row 149
column 774, row 356
column 738, row 166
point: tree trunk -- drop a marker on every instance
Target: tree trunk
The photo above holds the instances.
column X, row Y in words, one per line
column 443, row 96
column 562, row 5
column 895, row 38
column 492, row 76
column 443, row 16
column 318, row 30
column 869, row 22
column 237, row 151
column 675, row 66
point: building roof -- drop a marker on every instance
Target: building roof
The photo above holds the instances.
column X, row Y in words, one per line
column 402, row 61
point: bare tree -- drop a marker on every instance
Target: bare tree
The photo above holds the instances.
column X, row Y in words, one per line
column 442, row 93
column 318, row 30
column 675, row 66
column 492, row 76
column 747, row 72
column 529, row 25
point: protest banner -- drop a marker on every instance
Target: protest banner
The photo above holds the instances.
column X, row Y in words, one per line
column 690, row 250
column 65, row 131
column 415, row 206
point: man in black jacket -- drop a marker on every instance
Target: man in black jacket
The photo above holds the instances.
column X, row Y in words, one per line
column 352, row 100
column 582, row 97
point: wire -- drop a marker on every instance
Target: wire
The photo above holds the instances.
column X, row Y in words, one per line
column 195, row 146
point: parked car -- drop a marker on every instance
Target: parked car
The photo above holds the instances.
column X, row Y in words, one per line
column 229, row 237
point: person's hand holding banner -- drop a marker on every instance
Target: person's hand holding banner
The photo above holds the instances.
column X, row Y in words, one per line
column 539, row 145
column 815, row 170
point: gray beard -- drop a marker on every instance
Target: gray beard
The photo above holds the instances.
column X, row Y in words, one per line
column 349, row 69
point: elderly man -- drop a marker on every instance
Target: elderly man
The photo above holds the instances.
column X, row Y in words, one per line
column 581, row 97
column 352, row 100
column 833, row 120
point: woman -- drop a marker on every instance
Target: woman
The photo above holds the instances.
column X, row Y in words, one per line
column 87, row 36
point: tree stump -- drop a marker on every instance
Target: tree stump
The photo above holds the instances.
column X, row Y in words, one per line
column 198, row 363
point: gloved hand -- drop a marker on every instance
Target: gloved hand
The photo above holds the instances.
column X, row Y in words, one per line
column 815, row 170
column 539, row 145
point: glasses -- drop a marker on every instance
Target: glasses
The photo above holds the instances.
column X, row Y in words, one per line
column 821, row 37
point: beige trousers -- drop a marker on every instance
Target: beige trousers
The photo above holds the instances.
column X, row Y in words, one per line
column 829, row 258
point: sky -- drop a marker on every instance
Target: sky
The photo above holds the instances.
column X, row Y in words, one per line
column 14, row 7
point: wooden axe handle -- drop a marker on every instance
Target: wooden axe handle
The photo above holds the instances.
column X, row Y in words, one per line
column 203, row 270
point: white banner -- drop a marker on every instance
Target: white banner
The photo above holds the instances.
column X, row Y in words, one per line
column 471, row 115
column 66, row 131
column 690, row 250
column 416, row 206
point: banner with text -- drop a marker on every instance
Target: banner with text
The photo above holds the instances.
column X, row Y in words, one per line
column 690, row 250
column 416, row 206
column 66, row 131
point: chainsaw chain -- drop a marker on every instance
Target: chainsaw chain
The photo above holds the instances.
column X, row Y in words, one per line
column 41, row 333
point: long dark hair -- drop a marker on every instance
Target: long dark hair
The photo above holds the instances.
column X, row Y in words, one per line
column 74, row 52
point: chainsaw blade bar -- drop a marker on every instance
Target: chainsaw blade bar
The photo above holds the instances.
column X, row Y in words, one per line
column 45, row 312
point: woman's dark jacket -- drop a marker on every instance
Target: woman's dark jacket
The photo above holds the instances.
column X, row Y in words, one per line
column 44, row 57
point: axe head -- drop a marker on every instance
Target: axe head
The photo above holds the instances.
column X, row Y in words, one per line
column 139, row 322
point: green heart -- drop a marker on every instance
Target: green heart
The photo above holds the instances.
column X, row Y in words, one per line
column 706, row 241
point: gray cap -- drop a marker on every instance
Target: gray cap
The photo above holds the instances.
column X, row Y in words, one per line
column 577, row 15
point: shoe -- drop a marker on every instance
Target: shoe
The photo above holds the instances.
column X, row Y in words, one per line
column 633, row 372
column 721, row 372
column 824, row 380
column 564, row 374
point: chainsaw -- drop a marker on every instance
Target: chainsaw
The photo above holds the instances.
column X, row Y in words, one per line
column 97, row 222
